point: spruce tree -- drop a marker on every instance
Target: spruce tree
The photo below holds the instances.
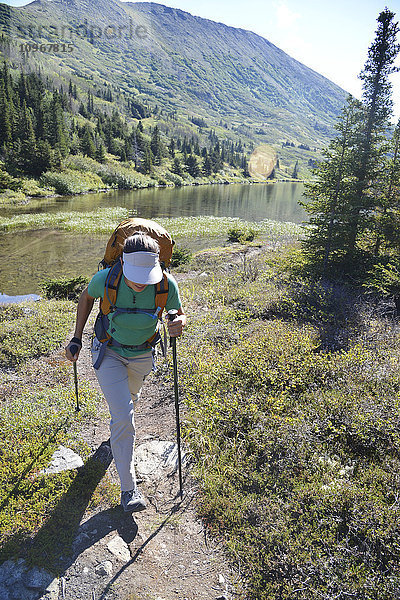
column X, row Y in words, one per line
column 387, row 218
column 192, row 166
column 177, row 167
column 207, row 166
column 147, row 160
column 330, row 196
column 26, row 154
column 343, row 202
column 378, row 109
column 100, row 155
column 87, row 145
column 5, row 117
column 156, row 146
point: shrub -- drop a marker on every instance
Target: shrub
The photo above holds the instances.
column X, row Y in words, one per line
column 237, row 233
column 177, row 180
column 297, row 449
column 180, row 256
column 71, row 181
column 64, row 288
column 30, row 187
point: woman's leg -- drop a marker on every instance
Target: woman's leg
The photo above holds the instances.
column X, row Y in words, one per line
column 121, row 380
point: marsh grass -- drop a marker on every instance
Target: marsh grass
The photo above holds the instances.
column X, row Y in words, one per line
column 296, row 443
column 104, row 220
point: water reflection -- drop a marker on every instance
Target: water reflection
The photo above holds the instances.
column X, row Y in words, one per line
column 279, row 202
column 33, row 256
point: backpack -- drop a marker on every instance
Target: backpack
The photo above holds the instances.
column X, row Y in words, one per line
column 112, row 261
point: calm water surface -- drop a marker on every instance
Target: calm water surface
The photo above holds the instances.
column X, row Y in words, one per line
column 34, row 255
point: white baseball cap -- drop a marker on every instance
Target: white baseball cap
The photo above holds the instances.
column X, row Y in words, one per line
column 142, row 267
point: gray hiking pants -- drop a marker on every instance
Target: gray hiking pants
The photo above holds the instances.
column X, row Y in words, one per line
column 121, row 381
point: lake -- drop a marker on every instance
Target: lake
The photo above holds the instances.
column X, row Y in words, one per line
column 34, row 255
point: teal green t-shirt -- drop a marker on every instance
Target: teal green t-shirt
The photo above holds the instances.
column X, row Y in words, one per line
column 133, row 329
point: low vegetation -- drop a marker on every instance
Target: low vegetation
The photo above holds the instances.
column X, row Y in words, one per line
column 37, row 414
column 101, row 220
column 293, row 422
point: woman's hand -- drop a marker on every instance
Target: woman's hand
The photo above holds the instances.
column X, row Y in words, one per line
column 73, row 349
column 175, row 326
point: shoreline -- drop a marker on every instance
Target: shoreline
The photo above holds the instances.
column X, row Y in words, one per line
column 28, row 198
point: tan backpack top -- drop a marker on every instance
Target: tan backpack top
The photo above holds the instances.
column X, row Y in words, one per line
column 129, row 227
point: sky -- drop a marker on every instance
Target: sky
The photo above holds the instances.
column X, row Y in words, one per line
column 330, row 36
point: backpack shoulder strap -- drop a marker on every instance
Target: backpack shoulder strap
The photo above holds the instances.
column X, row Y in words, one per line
column 162, row 289
column 107, row 303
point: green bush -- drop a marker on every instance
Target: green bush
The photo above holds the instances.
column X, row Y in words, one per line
column 236, row 233
column 64, row 288
column 30, row 187
column 384, row 278
column 177, row 180
column 71, row 181
column 180, row 256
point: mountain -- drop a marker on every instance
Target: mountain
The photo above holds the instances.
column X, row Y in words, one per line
column 186, row 66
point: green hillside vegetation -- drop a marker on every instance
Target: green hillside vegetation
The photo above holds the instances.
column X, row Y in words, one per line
column 189, row 76
column 72, row 146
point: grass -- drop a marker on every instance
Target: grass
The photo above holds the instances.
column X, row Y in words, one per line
column 104, row 220
column 296, row 439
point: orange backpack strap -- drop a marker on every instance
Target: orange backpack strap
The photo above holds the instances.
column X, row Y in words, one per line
column 162, row 289
column 107, row 303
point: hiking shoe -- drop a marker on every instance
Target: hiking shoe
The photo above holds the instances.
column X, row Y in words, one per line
column 132, row 501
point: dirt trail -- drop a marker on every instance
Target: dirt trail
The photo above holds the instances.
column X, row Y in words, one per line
column 162, row 553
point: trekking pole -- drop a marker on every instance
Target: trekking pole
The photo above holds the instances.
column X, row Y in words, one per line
column 172, row 314
column 74, row 350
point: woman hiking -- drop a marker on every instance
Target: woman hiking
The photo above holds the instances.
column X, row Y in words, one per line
column 127, row 357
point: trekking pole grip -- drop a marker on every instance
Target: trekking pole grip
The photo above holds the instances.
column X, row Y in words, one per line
column 172, row 314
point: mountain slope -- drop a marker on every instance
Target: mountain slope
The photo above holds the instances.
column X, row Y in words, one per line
column 179, row 62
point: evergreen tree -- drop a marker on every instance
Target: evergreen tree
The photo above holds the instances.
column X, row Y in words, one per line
column 56, row 132
column 343, row 202
column 245, row 167
column 156, row 146
column 5, row 117
column 387, row 218
column 25, row 155
column 193, row 166
column 136, row 147
column 330, row 196
column 378, row 108
column 147, row 160
column 171, row 148
column 177, row 167
column 207, row 166
column 100, row 154
column 87, row 144
column 45, row 159
column 82, row 110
